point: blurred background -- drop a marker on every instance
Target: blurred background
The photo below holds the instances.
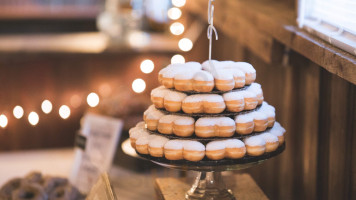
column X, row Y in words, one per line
column 62, row 58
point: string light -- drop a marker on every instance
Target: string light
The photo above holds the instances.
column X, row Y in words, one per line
column 176, row 28
column 178, row 3
column 185, row 44
column 46, row 106
column 3, row 121
column 147, row 66
column 93, row 99
column 18, row 112
column 64, row 111
column 174, row 13
column 177, row 59
column 138, row 85
column 33, row 118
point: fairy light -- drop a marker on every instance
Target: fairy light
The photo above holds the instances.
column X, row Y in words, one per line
column 93, row 99
column 174, row 13
column 3, row 121
column 18, row 112
column 64, row 111
column 185, row 44
column 177, row 59
column 33, row 118
column 46, row 106
column 138, row 85
column 176, row 28
column 178, row 3
column 147, row 66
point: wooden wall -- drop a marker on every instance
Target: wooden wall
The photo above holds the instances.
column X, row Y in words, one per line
column 318, row 110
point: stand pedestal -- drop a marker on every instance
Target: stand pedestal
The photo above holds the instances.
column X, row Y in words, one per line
column 210, row 186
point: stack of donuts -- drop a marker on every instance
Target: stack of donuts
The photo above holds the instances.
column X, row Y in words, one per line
column 208, row 111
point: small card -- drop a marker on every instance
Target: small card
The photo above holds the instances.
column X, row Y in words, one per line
column 102, row 190
column 96, row 145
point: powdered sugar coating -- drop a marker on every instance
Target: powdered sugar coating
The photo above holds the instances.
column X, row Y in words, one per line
column 203, row 76
column 257, row 115
column 248, row 94
column 222, row 74
column 153, row 113
column 175, row 96
column 215, row 145
column 193, row 146
column 168, row 119
column 194, row 98
column 143, row 140
column 225, row 121
column 180, row 120
column 213, row 98
column 255, row 141
column 141, row 124
column 233, row 96
column 157, row 142
column 174, row 144
column 160, row 91
column 234, row 143
column 244, row 118
column 137, row 133
column 269, row 138
column 205, row 121
column 185, row 75
column 246, row 67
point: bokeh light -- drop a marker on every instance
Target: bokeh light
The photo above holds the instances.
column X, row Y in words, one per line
column 147, row 66
column 33, row 118
column 93, row 99
column 46, row 106
column 176, row 28
column 174, row 13
column 185, row 44
column 178, row 3
column 177, row 59
column 18, row 112
column 3, row 121
column 64, row 111
column 138, row 85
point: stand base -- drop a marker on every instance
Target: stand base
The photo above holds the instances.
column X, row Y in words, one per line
column 242, row 186
column 210, row 186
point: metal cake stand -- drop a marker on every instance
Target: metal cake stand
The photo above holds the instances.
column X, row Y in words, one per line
column 209, row 184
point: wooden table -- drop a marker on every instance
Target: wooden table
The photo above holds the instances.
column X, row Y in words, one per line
column 242, row 185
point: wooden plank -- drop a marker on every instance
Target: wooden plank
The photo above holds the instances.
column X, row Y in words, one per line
column 268, row 19
column 242, row 185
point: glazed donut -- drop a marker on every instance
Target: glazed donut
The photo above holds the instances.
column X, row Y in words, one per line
column 183, row 126
column 27, row 191
column 215, row 150
column 234, row 101
column 203, row 82
column 250, row 72
column 244, row 124
column 271, row 141
column 256, row 88
column 157, row 96
column 260, row 120
column 173, row 150
column 214, row 127
column 193, row 151
column 234, row 149
column 10, row 186
column 155, row 146
column 165, row 124
column 151, row 117
column 255, row 145
column 173, row 101
column 250, row 100
column 278, row 131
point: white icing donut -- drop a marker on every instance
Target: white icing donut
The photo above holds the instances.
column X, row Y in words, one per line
column 215, row 145
column 161, row 91
column 157, row 142
column 232, row 96
column 180, row 120
column 203, row 76
column 268, row 137
column 174, row 144
column 234, row 143
column 193, row 146
column 255, row 141
column 244, row 118
column 175, row 96
column 168, row 119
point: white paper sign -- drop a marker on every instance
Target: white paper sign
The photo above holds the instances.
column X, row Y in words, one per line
column 102, row 134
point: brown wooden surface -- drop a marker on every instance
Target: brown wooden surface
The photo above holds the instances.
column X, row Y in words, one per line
column 255, row 24
column 242, row 185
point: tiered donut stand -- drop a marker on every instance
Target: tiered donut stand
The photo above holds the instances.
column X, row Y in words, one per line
column 209, row 183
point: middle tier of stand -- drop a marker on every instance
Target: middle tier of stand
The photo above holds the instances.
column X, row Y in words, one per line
column 197, row 115
column 206, row 140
